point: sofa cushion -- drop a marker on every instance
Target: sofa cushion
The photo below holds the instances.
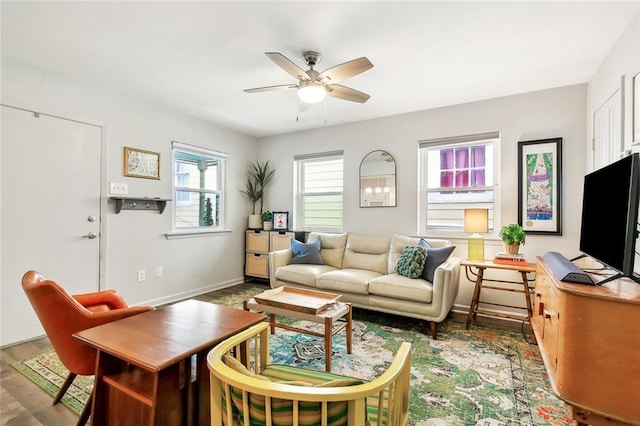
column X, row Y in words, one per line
column 346, row 280
column 302, row 274
column 435, row 257
column 366, row 252
column 398, row 287
column 306, row 253
column 411, row 261
column 331, row 247
column 398, row 243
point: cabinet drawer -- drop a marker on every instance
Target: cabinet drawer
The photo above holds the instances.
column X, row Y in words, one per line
column 281, row 240
column 257, row 241
column 257, row 265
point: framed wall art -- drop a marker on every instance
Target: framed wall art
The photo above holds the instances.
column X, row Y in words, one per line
column 635, row 110
column 540, row 186
column 280, row 221
column 141, row 164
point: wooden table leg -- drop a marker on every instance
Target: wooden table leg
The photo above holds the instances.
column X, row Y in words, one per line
column 203, row 383
column 328, row 343
column 527, row 295
column 475, row 300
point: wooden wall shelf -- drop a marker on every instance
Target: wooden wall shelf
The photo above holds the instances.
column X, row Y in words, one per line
column 140, row 203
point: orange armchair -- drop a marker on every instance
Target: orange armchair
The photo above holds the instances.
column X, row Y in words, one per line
column 62, row 315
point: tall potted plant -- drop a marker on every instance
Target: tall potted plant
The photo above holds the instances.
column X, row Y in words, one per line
column 258, row 176
column 512, row 236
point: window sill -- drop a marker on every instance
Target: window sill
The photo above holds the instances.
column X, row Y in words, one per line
column 195, row 233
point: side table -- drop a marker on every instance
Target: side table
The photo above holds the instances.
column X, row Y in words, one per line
column 475, row 272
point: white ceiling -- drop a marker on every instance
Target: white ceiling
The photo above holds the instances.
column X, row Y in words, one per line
column 197, row 57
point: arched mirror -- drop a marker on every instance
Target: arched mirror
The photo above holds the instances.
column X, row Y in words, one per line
column 378, row 180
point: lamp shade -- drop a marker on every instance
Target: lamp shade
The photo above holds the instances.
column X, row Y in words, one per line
column 476, row 220
column 311, row 92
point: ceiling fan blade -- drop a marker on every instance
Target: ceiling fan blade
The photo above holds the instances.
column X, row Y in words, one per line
column 288, row 66
column 269, row 88
column 345, row 70
column 347, row 93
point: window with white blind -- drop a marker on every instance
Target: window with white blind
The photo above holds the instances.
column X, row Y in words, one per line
column 318, row 191
column 457, row 173
column 198, row 187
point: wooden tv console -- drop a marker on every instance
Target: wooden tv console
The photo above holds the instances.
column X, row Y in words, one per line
column 589, row 338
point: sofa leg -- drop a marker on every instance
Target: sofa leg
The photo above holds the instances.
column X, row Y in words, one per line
column 434, row 329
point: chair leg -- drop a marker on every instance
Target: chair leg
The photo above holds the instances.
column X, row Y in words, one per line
column 434, row 329
column 65, row 386
column 86, row 411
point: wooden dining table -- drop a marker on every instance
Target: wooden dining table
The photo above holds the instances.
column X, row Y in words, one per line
column 152, row 367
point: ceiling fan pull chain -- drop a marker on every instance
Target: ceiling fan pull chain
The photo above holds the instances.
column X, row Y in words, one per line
column 325, row 110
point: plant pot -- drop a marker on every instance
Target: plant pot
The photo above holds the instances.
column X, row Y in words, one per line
column 255, row 221
column 512, row 248
column 267, row 226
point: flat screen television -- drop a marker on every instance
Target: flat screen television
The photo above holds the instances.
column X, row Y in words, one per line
column 610, row 215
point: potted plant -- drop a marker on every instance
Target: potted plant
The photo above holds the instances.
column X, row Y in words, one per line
column 267, row 220
column 258, row 176
column 512, row 236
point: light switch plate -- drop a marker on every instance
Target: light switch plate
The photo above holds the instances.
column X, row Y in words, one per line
column 117, row 188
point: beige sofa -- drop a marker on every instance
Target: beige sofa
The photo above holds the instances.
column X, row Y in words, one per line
column 361, row 269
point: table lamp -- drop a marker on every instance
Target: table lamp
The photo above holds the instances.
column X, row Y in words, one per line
column 476, row 220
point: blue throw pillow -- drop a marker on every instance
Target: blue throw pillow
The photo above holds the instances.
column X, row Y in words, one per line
column 306, row 253
column 435, row 257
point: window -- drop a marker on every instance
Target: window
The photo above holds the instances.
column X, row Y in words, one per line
column 456, row 174
column 198, row 183
column 318, row 191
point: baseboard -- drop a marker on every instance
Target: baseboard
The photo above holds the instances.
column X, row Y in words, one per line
column 192, row 293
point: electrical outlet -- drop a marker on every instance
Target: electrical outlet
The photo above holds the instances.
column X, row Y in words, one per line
column 142, row 275
column 159, row 271
column 117, row 188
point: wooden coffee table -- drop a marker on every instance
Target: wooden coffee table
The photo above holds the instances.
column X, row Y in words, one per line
column 308, row 305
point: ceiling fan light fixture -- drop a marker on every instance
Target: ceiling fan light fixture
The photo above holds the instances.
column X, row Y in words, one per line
column 311, row 92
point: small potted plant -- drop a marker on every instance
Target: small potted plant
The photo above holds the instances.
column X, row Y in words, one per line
column 258, row 176
column 512, row 236
column 267, row 220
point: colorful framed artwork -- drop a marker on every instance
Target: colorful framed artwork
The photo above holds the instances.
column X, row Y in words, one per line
column 141, row 164
column 540, row 186
column 280, row 221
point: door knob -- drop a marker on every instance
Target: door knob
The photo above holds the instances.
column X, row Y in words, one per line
column 91, row 235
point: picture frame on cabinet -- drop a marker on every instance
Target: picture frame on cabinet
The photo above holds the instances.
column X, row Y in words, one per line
column 280, row 221
column 540, row 186
column 141, row 163
column 635, row 109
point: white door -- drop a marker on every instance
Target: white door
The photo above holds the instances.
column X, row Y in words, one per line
column 607, row 138
column 50, row 211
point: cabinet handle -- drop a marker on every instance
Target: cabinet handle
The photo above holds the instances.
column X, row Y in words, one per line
column 541, row 308
column 548, row 314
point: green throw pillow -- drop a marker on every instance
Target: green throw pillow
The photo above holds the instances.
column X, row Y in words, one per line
column 411, row 261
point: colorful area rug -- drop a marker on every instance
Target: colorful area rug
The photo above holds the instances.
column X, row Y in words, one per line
column 482, row 376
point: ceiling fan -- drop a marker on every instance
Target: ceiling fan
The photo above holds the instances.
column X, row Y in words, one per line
column 314, row 86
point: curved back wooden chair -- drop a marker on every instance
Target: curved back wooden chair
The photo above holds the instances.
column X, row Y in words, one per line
column 278, row 395
column 62, row 315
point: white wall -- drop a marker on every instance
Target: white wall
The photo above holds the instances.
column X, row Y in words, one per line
column 623, row 60
column 544, row 114
column 135, row 240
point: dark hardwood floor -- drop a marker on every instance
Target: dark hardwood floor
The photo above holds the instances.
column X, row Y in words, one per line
column 23, row 403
